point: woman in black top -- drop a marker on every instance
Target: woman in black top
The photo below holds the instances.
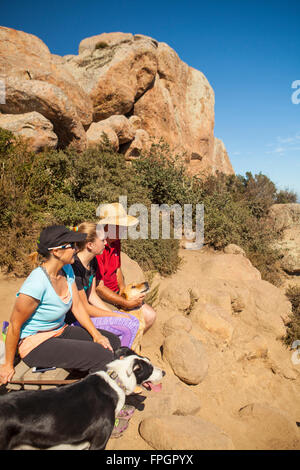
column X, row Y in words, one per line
column 124, row 325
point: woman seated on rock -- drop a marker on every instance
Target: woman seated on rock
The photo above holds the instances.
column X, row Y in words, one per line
column 37, row 325
column 123, row 325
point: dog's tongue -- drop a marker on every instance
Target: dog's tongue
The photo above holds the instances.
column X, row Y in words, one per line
column 152, row 387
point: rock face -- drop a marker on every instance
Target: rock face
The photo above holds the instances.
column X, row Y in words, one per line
column 248, row 398
column 277, row 429
column 115, row 74
column 32, row 76
column 95, row 135
column 33, row 126
column 220, row 160
column 286, row 218
column 191, row 364
column 49, row 100
column 214, row 319
column 115, row 70
column 184, row 432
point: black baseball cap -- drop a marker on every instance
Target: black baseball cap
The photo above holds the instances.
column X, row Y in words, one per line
column 57, row 235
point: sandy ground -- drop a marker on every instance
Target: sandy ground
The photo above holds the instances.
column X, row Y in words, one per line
column 8, row 290
column 229, row 385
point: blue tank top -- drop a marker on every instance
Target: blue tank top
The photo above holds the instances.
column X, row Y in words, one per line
column 51, row 311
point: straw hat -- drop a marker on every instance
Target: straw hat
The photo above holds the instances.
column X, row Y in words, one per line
column 115, row 214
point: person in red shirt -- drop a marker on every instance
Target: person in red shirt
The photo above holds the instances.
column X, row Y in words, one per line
column 109, row 273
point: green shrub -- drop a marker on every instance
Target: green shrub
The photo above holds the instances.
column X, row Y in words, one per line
column 67, row 187
column 235, row 207
column 285, row 196
column 101, row 45
column 293, row 327
column 165, row 176
column 154, row 255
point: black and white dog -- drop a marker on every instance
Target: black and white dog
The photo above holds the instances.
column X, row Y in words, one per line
column 81, row 412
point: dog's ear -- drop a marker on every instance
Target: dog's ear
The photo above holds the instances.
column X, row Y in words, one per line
column 123, row 351
column 132, row 367
column 121, row 293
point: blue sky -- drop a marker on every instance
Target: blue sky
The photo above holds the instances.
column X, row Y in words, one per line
column 248, row 50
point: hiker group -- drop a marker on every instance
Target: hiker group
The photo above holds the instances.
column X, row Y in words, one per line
column 69, row 312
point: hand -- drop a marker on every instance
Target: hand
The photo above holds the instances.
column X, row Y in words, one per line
column 100, row 339
column 136, row 302
column 6, row 373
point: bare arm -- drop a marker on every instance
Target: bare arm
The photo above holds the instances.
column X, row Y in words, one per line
column 113, row 298
column 23, row 309
column 95, row 306
column 120, row 279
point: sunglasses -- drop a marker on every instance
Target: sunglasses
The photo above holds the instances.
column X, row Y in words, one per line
column 64, row 247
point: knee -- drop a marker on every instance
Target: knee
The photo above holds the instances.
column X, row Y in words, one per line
column 98, row 358
column 149, row 315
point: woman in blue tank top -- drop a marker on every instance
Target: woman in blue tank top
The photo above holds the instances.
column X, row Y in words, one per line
column 37, row 324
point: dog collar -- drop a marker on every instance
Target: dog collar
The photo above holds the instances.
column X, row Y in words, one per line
column 114, row 376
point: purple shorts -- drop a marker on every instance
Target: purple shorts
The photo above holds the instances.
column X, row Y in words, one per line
column 125, row 328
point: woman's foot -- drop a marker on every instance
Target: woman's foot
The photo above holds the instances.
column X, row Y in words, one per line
column 120, row 426
column 126, row 412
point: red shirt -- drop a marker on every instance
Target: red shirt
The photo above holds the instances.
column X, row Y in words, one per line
column 108, row 263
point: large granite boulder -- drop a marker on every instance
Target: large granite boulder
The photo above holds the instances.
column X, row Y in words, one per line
column 34, row 127
column 23, row 96
column 27, row 59
column 115, row 70
column 187, row 357
column 286, row 220
column 183, row 433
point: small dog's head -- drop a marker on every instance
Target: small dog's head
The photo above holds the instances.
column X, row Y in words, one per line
column 134, row 290
column 134, row 370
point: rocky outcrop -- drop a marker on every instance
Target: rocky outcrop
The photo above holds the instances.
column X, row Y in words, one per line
column 191, row 364
column 23, row 96
column 140, row 144
column 268, row 427
column 220, row 160
column 37, row 130
column 98, row 132
column 286, row 220
column 243, row 400
column 35, row 82
column 185, row 433
column 115, row 70
column 115, row 74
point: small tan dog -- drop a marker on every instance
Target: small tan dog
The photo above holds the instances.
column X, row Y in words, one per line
column 129, row 292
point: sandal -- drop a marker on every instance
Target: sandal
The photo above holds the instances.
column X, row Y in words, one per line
column 120, row 426
column 126, row 412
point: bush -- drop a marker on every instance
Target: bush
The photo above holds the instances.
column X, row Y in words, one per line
column 293, row 327
column 154, row 255
column 67, row 187
column 101, row 45
column 235, row 207
column 286, row 196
